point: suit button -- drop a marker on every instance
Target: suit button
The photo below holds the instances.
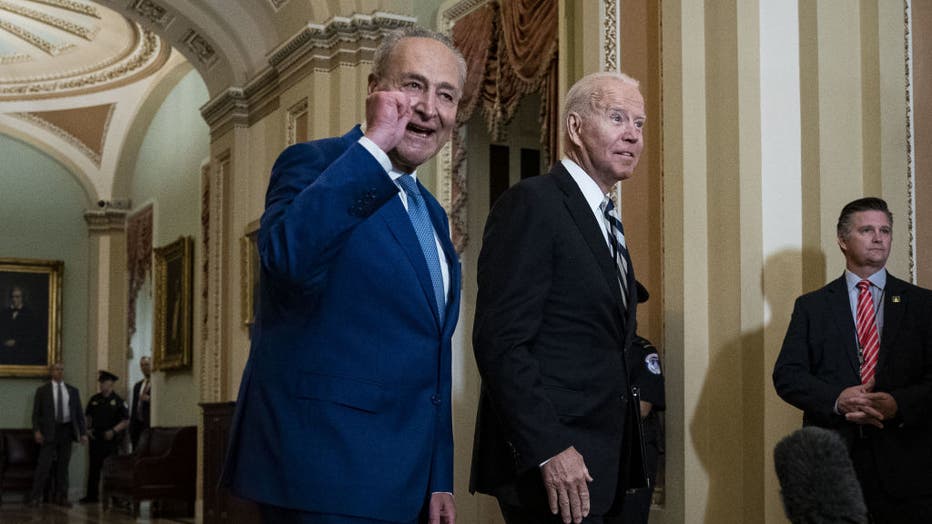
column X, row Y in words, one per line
column 435, row 399
column 623, row 397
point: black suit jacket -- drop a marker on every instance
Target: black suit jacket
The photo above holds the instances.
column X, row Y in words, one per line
column 549, row 338
column 138, row 421
column 43, row 412
column 819, row 359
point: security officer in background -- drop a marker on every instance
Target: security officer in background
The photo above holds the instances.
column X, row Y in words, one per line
column 107, row 417
column 644, row 367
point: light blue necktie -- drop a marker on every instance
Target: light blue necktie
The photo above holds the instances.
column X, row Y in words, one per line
column 619, row 250
column 417, row 211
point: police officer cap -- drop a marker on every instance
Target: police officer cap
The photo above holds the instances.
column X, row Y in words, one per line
column 103, row 376
column 643, row 295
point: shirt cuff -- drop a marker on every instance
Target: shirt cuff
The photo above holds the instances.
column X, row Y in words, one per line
column 376, row 152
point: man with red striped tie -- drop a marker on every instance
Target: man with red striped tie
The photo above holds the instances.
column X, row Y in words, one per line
column 857, row 358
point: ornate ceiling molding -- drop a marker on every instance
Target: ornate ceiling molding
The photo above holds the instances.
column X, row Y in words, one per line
column 317, row 47
column 93, row 155
column 73, row 6
column 147, row 54
column 154, row 13
column 87, row 33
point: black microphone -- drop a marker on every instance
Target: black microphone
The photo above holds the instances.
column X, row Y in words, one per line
column 817, row 479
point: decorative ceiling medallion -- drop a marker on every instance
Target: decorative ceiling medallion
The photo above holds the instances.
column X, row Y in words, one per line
column 56, row 48
column 154, row 13
column 68, row 26
column 73, row 6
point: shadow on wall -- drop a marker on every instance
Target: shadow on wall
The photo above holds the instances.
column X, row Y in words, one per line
column 727, row 428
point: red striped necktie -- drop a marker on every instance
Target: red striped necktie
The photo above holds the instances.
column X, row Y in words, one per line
column 868, row 336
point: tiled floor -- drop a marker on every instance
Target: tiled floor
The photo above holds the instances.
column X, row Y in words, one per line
column 16, row 513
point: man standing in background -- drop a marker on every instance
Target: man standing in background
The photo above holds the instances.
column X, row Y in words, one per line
column 857, row 359
column 139, row 409
column 57, row 421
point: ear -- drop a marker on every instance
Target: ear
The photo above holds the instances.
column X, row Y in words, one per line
column 574, row 124
column 842, row 243
column 373, row 84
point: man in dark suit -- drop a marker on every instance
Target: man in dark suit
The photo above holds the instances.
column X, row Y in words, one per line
column 857, row 358
column 344, row 409
column 139, row 408
column 555, row 314
column 57, row 421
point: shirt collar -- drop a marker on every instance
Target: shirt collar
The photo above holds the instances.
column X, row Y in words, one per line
column 590, row 190
column 396, row 174
column 878, row 279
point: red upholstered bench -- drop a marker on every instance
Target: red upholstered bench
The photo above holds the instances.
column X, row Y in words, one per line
column 19, row 455
column 163, row 466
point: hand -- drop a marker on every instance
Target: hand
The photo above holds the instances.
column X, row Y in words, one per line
column 565, row 477
column 645, row 408
column 108, row 434
column 442, row 509
column 387, row 116
column 39, row 438
column 144, row 397
column 83, row 440
column 884, row 403
column 9, row 343
column 852, row 398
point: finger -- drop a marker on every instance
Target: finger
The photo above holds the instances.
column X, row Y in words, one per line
column 552, row 497
column 869, row 386
column 565, row 511
column 584, row 499
column 575, row 505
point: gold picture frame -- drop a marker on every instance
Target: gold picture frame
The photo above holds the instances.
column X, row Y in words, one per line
column 173, row 305
column 30, row 322
column 249, row 281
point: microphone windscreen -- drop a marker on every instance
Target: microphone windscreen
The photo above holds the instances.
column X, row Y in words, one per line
column 817, row 479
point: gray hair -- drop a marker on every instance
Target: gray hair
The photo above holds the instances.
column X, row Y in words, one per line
column 385, row 49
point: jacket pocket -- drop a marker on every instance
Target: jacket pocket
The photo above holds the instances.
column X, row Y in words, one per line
column 355, row 393
column 567, row 402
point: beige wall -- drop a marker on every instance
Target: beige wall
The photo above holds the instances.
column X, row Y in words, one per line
column 749, row 226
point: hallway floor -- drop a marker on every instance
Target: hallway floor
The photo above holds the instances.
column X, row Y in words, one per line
column 17, row 513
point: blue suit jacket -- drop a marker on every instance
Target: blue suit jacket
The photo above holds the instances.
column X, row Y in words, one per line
column 344, row 405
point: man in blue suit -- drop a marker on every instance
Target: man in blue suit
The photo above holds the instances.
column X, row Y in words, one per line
column 344, row 409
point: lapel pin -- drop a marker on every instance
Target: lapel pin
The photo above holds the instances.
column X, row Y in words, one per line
column 895, row 299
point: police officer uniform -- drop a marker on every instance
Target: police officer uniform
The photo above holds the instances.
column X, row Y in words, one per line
column 103, row 414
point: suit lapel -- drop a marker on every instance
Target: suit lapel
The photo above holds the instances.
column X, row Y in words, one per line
column 589, row 229
column 399, row 223
column 894, row 307
column 840, row 305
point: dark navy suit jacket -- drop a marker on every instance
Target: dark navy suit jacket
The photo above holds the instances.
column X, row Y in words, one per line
column 344, row 405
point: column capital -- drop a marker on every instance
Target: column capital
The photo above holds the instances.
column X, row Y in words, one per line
column 102, row 221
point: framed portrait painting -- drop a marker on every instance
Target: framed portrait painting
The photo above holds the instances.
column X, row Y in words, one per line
column 173, row 305
column 30, row 323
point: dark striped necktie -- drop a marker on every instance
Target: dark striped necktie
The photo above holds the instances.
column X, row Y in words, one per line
column 616, row 237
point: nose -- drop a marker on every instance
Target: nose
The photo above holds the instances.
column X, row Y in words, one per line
column 631, row 133
column 424, row 104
